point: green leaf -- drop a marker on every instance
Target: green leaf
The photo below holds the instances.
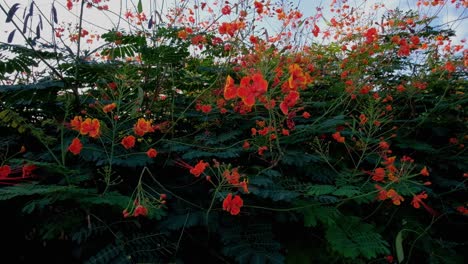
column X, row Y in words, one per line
column 140, row 6
column 352, row 238
column 316, row 190
column 399, row 247
column 313, row 215
column 347, row 191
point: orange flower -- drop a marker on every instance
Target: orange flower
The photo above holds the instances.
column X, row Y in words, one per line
column 182, row 34
column 418, row 199
column 152, row 153
column 379, row 174
column 230, row 89
column 76, row 123
column 337, row 136
column 233, row 205
column 142, row 127
column 396, row 198
column 424, row 171
column 199, row 168
column 108, row 108
column 5, row 170
column 297, row 79
column 230, row 28
column 389, row 161
column 76, row 146
column 128, row 142
column 90, row 127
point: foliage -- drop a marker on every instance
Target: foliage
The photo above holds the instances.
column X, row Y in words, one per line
column 173, row 143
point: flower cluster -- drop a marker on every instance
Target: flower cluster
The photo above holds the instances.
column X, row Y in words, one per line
column 91, row 127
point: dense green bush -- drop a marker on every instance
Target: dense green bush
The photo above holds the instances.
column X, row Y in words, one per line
column 219, row 144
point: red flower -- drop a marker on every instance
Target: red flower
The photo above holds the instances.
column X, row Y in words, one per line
column 246, row 145
column 384, row 145
column 140, row 210
column 382, row 193
column 251, row 88
column 152, row 153
column 316, row 30
column 449, row 66
column 128, row 142
column 258, row 7
column 76, row 123
column 371, row 35
column 233, row 205
column 28, row 169
column 76, row 146
column 363, row 119
column 226, row 10
column 125, row 213
column 206, row 108
column 424, row 171
column 415, row 40
column 306, row 115
column 112, row 85
column 289, row 101
column 261, row 150
column 232, row 177
column 199, row 168
column 418, row 199
column 243, row 185
column 379, row 174
column 90, row 127
column 389, row 258
column 462, row 210
column 5, row 170
column 337, row 136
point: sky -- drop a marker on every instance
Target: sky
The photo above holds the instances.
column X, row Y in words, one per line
column 98, row 21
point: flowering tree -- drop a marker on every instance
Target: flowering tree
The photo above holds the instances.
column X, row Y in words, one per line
column 199, row 128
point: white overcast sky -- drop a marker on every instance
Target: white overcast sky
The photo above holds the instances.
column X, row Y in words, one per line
column 98, row 21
